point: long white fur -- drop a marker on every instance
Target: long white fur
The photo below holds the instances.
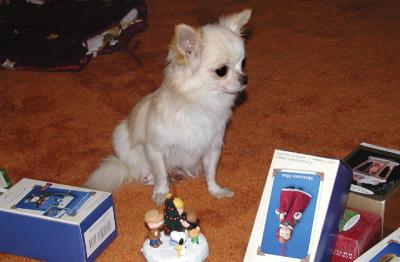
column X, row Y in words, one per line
column 182, row 124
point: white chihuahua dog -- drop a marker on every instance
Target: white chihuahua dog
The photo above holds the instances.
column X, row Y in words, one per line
column 181, row 125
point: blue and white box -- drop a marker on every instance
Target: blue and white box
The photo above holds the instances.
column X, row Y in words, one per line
column 55, row 222
column 300, row 209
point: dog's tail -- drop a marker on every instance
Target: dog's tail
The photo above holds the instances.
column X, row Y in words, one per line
column 111, row 173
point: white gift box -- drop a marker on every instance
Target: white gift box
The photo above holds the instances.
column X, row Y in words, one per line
column 306, row 194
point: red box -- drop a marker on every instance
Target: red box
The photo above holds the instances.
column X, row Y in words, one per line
column 358, row 231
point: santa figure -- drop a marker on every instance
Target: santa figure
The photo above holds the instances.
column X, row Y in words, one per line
column 292, row 203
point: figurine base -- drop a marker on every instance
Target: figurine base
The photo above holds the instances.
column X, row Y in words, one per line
column 167, row 252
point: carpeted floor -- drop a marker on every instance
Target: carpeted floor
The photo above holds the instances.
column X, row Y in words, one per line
column 323, row 77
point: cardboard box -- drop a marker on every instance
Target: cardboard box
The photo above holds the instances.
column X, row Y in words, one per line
column 55, row 222
column 386, row 250
column 298, row 217
column 358, row 231
column 375, row 185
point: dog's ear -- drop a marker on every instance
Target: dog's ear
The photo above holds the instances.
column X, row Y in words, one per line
column 235, row 22
column 187, row 41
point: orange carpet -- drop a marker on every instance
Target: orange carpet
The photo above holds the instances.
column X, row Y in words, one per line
column 323, row 77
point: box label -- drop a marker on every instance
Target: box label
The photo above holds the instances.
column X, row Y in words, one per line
column 349, row 219
column 51, row 201
column 291, row 212
column 99, row 231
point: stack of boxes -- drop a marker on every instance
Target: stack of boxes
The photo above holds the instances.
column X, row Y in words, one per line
column 372, row 201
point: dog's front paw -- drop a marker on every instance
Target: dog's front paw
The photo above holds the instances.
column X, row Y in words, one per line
column 221, row 192
column 159, row 198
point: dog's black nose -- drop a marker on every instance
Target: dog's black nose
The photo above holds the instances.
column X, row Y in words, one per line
column 243, row 80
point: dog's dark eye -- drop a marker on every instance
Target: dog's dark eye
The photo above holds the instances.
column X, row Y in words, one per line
column 243, row 63
column 222, row 71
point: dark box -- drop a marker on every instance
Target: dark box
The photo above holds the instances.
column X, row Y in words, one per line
column 375, row 185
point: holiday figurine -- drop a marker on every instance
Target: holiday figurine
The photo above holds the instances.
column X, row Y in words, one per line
column 172, row 214
column 293, row 202
column 154, row 221
column 191, row 223
column 180, row 240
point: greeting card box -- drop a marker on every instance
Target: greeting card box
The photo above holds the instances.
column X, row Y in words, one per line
column 358, row 231
column 376, row 182
column 298, row 217
column 54, row 222
column 386, row 250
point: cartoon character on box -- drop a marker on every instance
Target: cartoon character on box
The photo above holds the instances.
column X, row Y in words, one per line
column 293, row 201
column 389, row 258
column 53, row 201
column 154, row 221
column 57, row 199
